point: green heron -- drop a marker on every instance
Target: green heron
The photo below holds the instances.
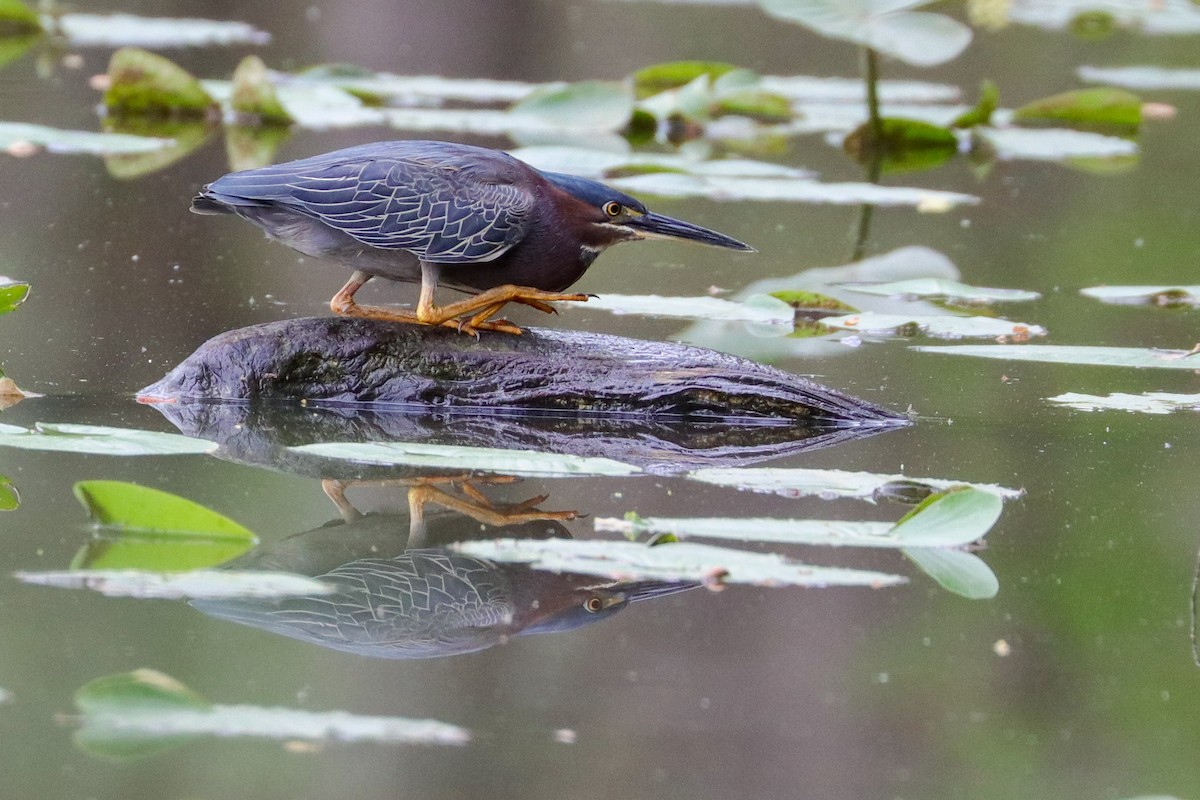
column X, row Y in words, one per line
column 399, row 601
column 437, row 213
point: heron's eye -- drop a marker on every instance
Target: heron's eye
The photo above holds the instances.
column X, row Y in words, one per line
column 612, row 208
column 594, row 604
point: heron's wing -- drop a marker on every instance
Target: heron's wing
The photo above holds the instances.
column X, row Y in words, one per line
column 443, row 210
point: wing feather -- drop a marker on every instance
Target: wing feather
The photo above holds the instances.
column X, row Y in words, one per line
column 449, row 204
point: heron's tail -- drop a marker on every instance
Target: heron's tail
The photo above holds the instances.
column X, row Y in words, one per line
column 205, row 203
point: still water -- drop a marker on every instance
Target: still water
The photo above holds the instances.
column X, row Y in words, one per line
column 1076, row 680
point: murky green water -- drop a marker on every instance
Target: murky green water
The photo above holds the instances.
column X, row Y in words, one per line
column 1076, row 680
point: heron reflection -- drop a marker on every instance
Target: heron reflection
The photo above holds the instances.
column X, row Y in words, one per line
column 401, row 593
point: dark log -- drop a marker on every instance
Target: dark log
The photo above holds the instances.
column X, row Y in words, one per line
column 260, row 434
column 332, row 360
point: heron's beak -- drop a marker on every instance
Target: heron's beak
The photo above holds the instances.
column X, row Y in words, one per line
column 656, row 226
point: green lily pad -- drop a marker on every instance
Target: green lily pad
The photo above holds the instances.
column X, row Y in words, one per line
column 101, row 440
column 10, row 498
column 180, row 138
column 806, row 302
column 958, row 516
column 981, row 114
column 671, row 561
column 756, row 104
column 16, row 18
column 151, row 530
column 1133, row 357
column 919, row 38
column 942, row 289
column 131, row 695
column 12, row 294
column 486, row 459
column 592, row 105
column 671, row 75
column 141, row 82
column 254, row 95
column 1101, row 107
column 902, row 145
column 961, row 573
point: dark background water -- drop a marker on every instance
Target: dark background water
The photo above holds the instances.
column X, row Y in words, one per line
column 757, row 693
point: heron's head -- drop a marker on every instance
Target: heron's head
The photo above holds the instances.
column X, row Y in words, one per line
column 610, row 216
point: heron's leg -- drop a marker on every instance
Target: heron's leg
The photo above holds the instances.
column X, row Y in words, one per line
column 335, row 490
column 485, row 513
column 343, row 305
column 483, row 305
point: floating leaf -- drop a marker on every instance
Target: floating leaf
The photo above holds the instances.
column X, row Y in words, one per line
column 901, row 145
column 1054, row 144
column 889, row 26
column 12, row 293
column 101, row 440
column 141, row 82
column 153, row 530
column 1146, row 78
column 943, row 326
column 140, row 713
column 756, row 104
column 11, row 394
column 16, row 18
column 981, row 114
column 128, row 506
column 602, row 164
column 660, row 77
column 120, row 30
column 199, row 584
column 1099, row 107
column 1148, row 403
column 964, row 574
column 10, row 498
column 56, row 140
column 681, row 561
column 179, row 136
column 1161, row 17
column 254, row 95
column 830, row 483
column 807, row 302
column 762, row 309
column 593, row 105
column 486, row 459
column 783, row 190
column 942, row 289
column 1165, row 296
column 137, row 694
column 955, row 517
column 1136, row 357
column 381, row 88
column 831, row 532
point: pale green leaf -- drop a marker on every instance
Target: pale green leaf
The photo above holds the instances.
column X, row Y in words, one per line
column 101, row 440
column 829, row 483
column 486, row 459
column 955, row 571
column 1148, row 403
column 941, row 325
column 942, row 289
column 1135, row 357
column 681, row 561
column 56, row 140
